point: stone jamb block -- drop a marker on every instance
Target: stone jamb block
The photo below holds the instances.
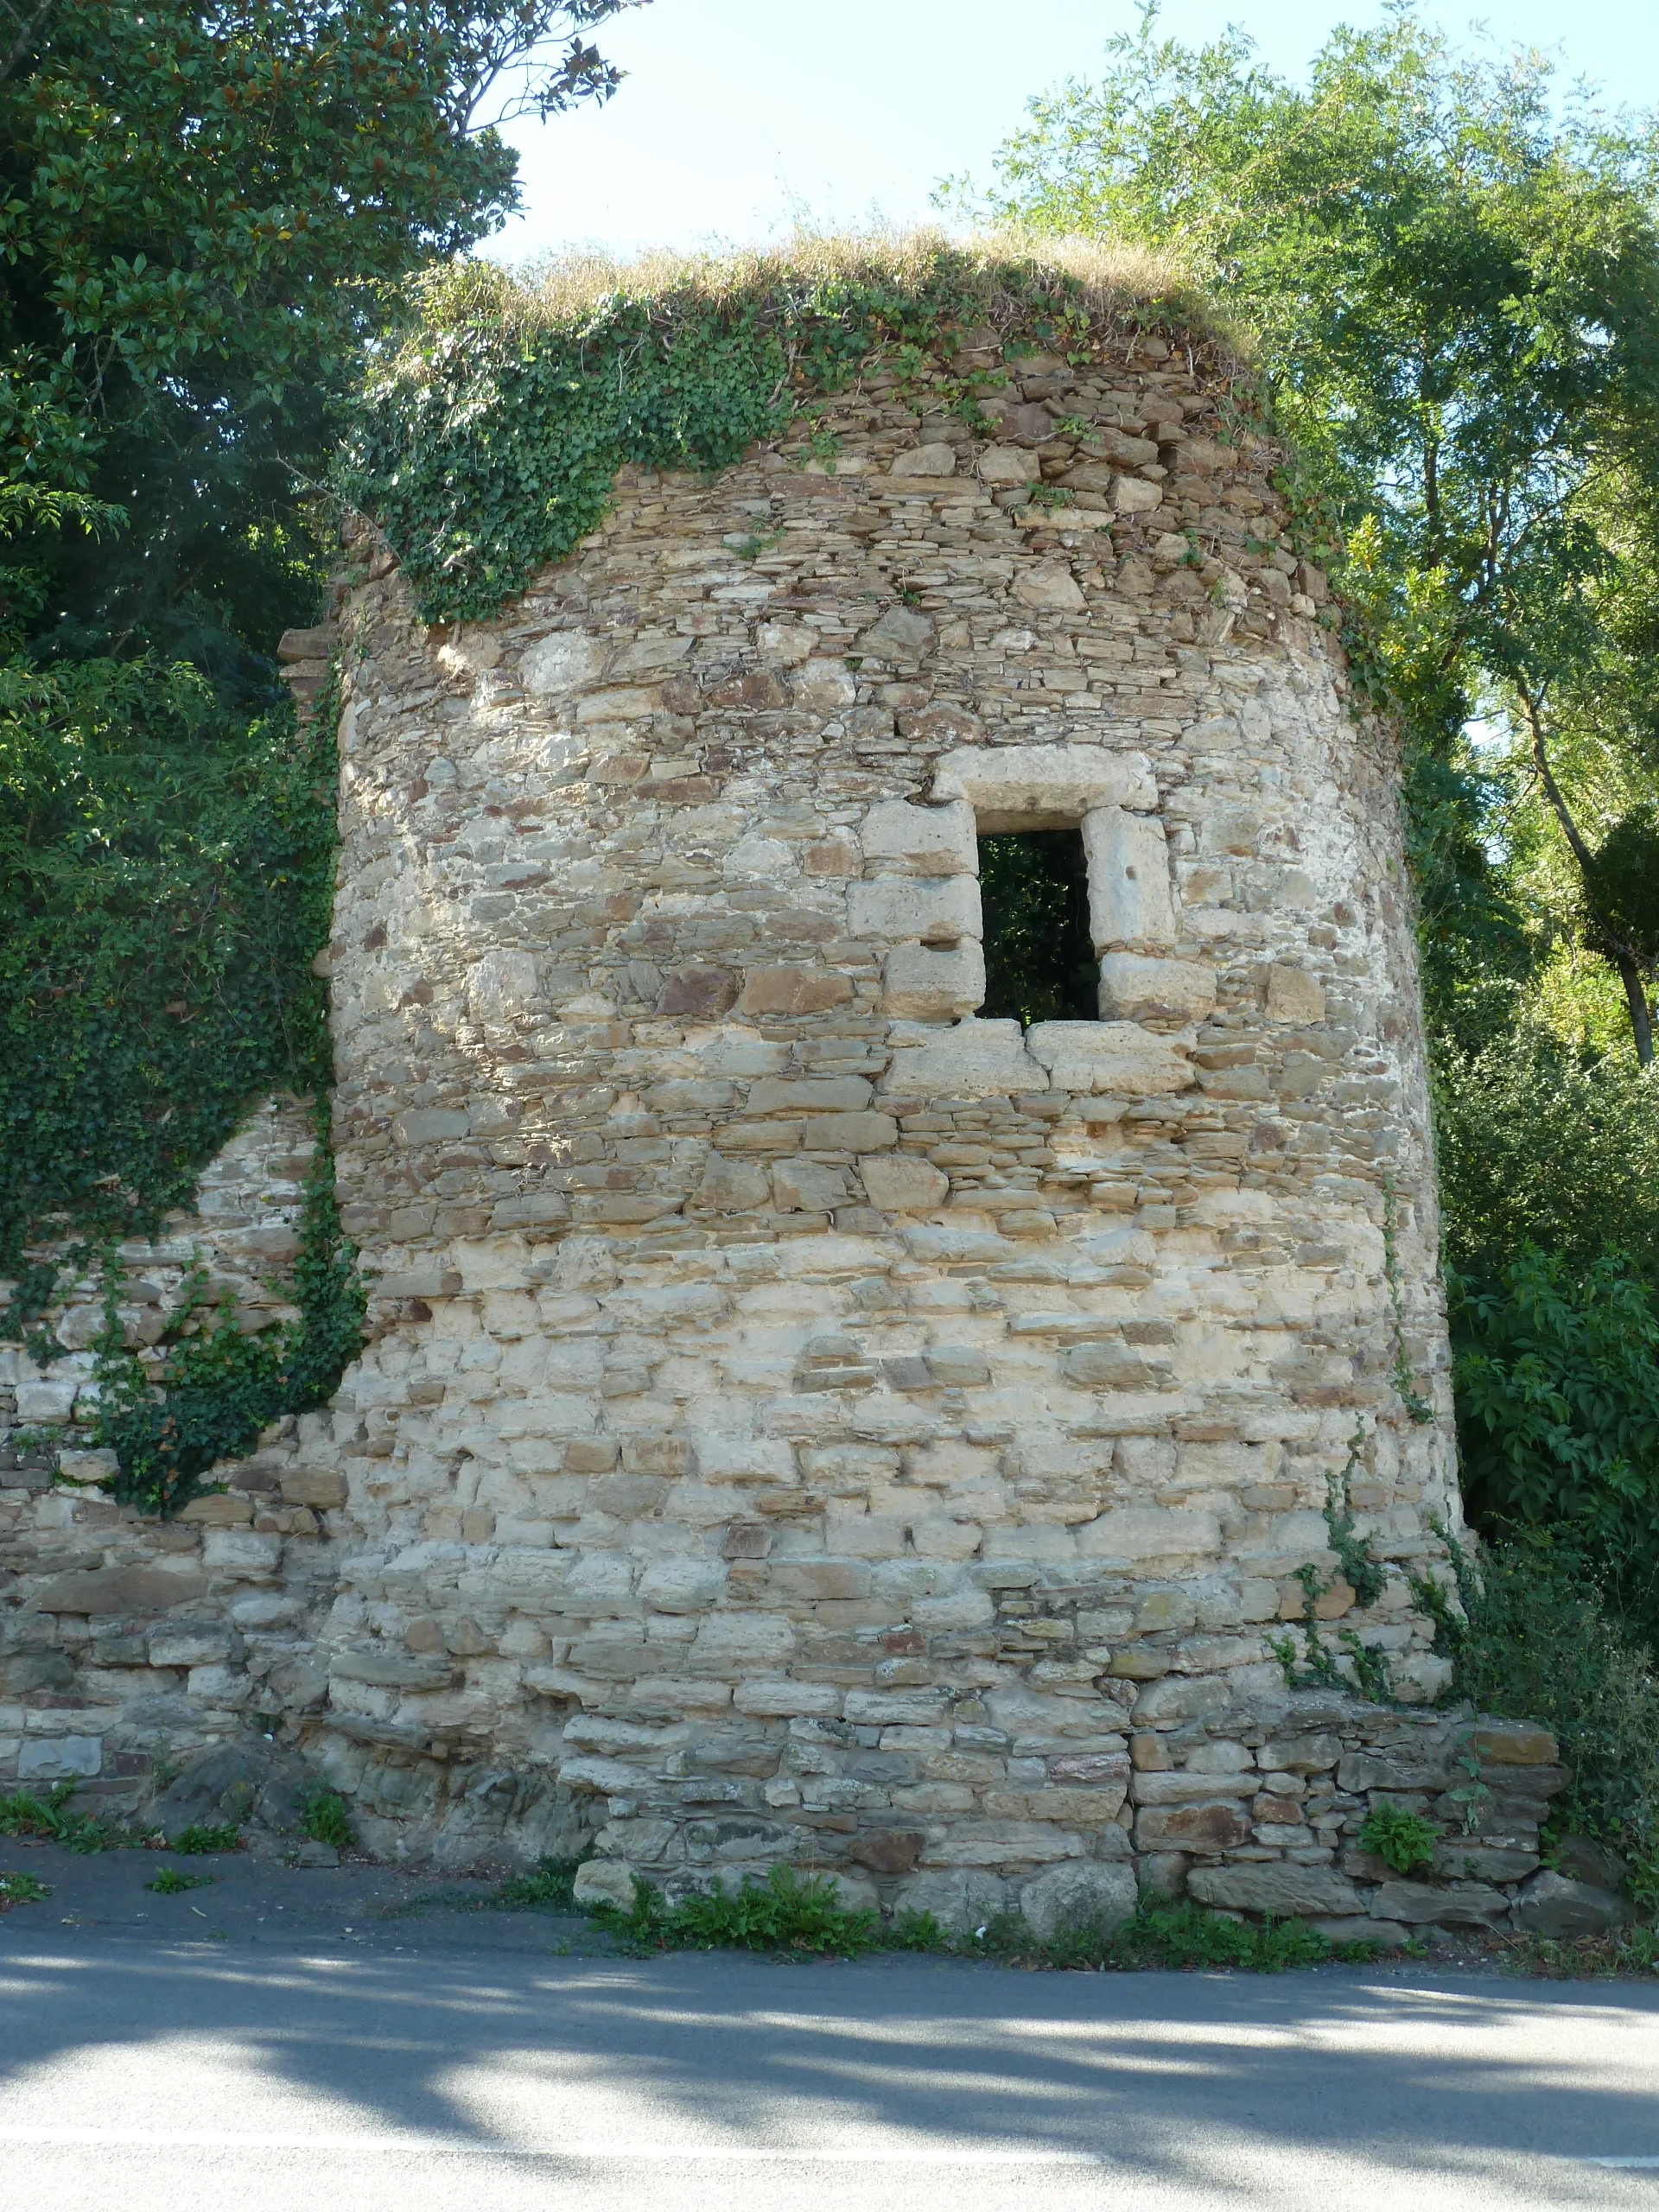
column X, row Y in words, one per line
column 934, row 982
column 899, row 836
column 1129, row 897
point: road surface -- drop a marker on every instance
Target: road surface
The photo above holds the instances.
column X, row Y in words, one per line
column 402, row 2066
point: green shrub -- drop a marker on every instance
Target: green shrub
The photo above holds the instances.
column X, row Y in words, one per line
column 786, row 1912
column 1189, row 1936
column 22, row 1889
column 551, row 1888
column 1538, row 1146
column 322, row 1817
column 1533, row 1637
column 798, row 1915
column 197, row 1838
column 49, row 1817
column 1556, row 1377
column 170, row 1882
column 1401, row 1840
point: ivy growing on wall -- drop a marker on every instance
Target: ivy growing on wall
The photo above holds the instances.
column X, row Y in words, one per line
column 166, row 875
column 218, row 1387
column 488, row 444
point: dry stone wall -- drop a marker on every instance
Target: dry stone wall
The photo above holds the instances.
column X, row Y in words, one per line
column 804, row 1418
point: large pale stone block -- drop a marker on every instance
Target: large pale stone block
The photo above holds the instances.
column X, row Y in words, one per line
column 1010, row 465
column 1114, row 1056
column 1129, row 900
column 1080, row 1894
column 604, row 1881
column 921, row 840
column 59, row 1758
column 1136, row 1532
column 1132, row 986
column 967, row 1060
column 1042, row 786
column 898, row 1183
column 563, row 663
column 1049, row 586
column 501, row 984
column 926, row 461
column 1279, row 1890
column 905, row 907
column 1293, row 995
column 932, row 982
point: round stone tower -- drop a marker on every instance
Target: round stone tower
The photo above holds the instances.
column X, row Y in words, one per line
column 808, row 1418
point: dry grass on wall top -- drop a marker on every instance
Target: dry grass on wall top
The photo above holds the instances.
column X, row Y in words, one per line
column 487, row 443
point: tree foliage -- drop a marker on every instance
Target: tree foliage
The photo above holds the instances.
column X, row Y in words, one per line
column 1541, row 1145
column 197, row 205
column 1557, row 1381
column 1454, row 285
column 166, row 875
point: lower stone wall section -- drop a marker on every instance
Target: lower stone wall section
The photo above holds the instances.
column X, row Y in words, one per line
column 965, row 1737
column 131, row 1650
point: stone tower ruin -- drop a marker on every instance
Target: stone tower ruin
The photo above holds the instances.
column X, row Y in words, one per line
column 806, row 1417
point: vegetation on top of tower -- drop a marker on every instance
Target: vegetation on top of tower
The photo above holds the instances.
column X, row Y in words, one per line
column 488, row 440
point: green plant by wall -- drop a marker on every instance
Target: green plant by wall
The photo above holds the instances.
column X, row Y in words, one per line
column 217, row 1387
column 1354, row 1664
column 322, row 1817
column 1557, row 1376
column 1401, row 1840
column 786, row 1912
column 50, row 1818
column 1531, row 1636
column 487, row 443
column 800, row 1916
column 199, row 1838
column 166, row 875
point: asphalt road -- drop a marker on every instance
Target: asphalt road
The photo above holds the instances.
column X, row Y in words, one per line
column 417, row 2064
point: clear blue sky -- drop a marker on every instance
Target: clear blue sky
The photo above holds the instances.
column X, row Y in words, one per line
column 738, row 115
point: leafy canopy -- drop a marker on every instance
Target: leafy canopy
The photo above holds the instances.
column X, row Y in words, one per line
column 1453, row 292
column 197, row 205
column 1557, row 1379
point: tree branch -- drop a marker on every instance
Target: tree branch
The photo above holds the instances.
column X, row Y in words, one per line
column 23, row 43
column 1619, row 951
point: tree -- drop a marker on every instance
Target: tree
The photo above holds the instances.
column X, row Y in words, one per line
column 201, row 203
column 1455, row 295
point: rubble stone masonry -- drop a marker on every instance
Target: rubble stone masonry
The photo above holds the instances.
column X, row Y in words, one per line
column 803, row 1419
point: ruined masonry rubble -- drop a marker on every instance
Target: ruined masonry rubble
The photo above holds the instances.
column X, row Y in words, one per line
column 803, row 1419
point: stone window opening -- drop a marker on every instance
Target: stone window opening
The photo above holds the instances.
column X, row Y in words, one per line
column 1040, row 962
column 921, row 896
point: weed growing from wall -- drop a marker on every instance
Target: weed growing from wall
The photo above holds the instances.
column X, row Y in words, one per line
column 1530, row 1635
column 1404, row 1380
column 1353, row 1664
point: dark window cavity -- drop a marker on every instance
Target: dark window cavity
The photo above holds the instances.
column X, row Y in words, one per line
column 1040, row 963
